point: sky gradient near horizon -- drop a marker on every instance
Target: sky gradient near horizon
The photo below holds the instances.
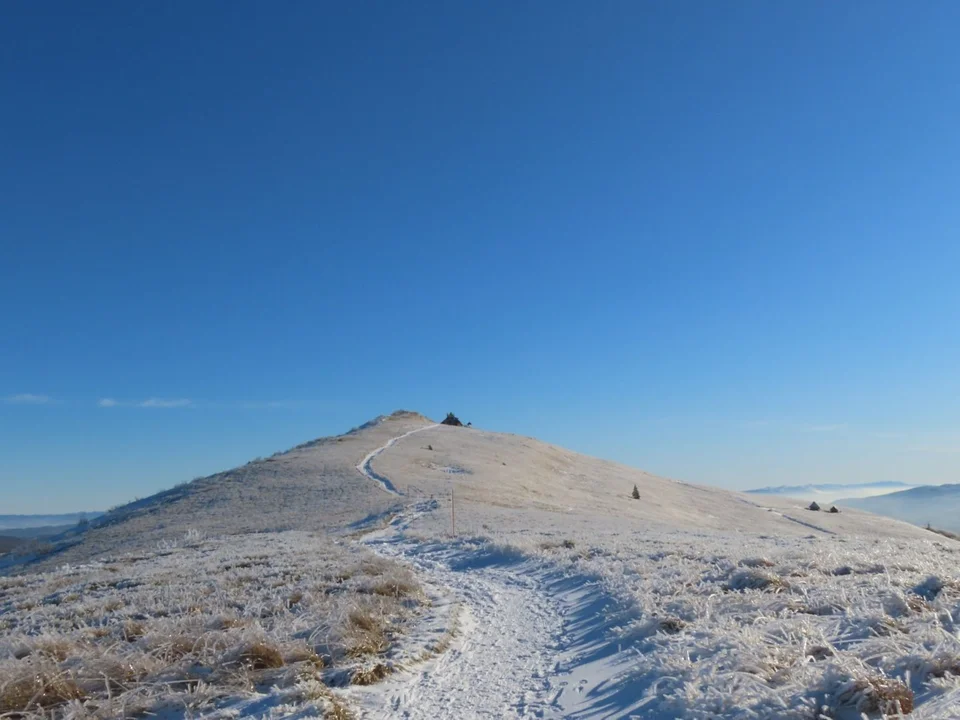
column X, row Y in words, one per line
column 716, row 241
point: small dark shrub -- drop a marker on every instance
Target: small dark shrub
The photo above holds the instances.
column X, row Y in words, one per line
column 671, row 626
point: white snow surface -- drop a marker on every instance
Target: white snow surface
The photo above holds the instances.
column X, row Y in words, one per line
column 561, row 597
column 534, row 641
column 754, row 611
column 668, row 625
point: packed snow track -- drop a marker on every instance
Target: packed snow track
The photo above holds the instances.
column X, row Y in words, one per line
column 532, row 640
column 365, row 467
column 647, row 621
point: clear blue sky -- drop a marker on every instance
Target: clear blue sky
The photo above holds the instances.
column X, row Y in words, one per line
column 718, row 241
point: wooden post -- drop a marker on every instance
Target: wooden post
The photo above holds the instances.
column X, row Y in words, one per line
column 453, row 513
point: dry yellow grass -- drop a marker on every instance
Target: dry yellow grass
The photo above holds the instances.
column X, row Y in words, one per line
column 139, row 631
column 133, row 630
column 756, row 579
column 312, row 687
column 175, row 648
column 43, row 688
column 395, row 588
column 365, row 634
column 945, row 665
column 338, row 712
column 261, row 656
column 886, row 696
column 113, row 605
column 370, row 676
column 58, row 649
column 375, row 566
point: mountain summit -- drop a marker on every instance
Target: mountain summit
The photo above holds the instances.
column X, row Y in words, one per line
column 317, row 485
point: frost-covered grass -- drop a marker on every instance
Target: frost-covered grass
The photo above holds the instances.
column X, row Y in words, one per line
column 202, row 624
column 313, row 486
column 731, row 625
column 690, row 603
column 657, row 626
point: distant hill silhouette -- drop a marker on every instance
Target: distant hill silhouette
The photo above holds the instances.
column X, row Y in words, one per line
column 936, row 505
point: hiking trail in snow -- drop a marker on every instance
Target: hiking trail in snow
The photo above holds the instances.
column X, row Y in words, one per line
column 647, row 620
column 366, row 468
column 532, row 640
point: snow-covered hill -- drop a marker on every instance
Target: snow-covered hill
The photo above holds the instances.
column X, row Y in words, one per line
column 317, row 486
column 498, row 470
column 545, row 590
column 310, row 487
column 936, row 505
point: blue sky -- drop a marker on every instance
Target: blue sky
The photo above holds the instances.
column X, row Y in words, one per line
column 714, row 240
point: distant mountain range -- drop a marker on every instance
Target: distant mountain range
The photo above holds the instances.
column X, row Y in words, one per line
column 936, row 505
column 20, row 530
column 20, row 522
column 831, row 492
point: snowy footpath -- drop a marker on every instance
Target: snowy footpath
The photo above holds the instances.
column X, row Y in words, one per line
column 694, row 624
column 531, row 639
column 365, row 467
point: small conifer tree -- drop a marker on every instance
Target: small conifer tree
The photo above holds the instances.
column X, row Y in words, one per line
column 635, row 494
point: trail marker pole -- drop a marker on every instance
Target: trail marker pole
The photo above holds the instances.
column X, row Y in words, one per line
column 453, row 513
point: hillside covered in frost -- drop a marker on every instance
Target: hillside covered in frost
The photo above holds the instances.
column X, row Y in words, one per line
column 417, row 570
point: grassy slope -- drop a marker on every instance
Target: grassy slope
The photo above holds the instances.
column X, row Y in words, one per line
column 510, row 471
column 677, row 548
column 310, row 487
